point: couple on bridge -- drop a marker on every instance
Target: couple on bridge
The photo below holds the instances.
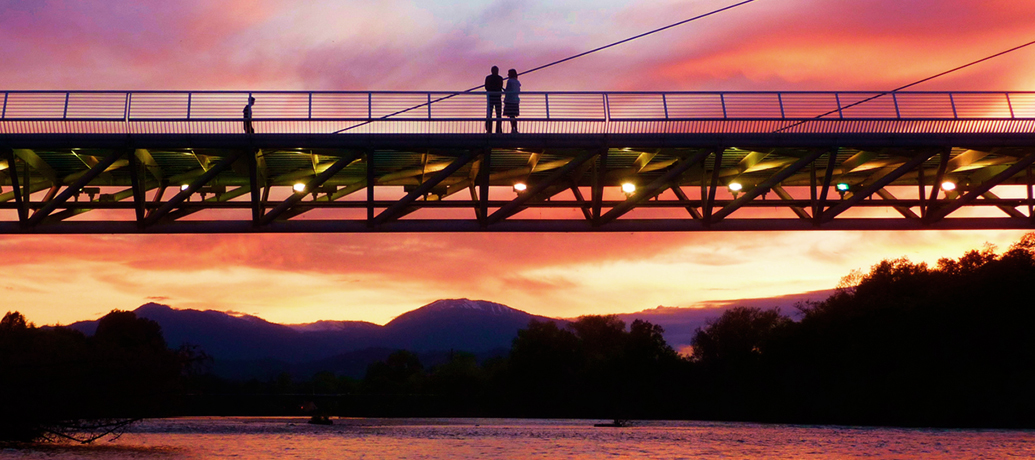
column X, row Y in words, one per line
column 494, row 90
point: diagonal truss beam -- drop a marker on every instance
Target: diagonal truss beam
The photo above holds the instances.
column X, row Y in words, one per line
column 768, row 184
column 820, row 206
column 400, row 206
column 833, row 212
column 137, row 187
column 937, row 214
column 798, row 210
column 32, row 159
column 75, row 188
column 517, row 204
column 311, row 185
column 654, row 188
column 681, row 195
column 904, row 210
column 203, row 179
column 484, row 181
column 708, row 190
column 1012, row 212
column 12, row 172
column 256, row 180
column 144, row 156
column 222, row 198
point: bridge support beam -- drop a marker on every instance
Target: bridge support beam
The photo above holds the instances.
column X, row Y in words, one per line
column 516, row 205
column 75, row 188
column 400, row 206
column 313, row 184
column 16, row 187
column 974, row 193
column 179, row 198
column 654, row 188
column 917, row 160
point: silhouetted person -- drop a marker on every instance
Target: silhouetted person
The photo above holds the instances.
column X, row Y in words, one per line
column 494, row 88
column 512, row 100
column 248, row 116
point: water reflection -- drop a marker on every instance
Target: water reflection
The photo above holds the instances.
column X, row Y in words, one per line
column 261, row 438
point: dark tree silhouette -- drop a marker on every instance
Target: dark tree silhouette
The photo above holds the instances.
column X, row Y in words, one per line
column 59, row 383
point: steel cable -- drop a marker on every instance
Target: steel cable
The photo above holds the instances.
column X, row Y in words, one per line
column 559, row 61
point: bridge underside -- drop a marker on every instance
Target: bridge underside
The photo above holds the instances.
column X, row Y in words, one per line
column 237, row 183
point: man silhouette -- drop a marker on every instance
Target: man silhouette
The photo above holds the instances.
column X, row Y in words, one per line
column 494, row 89
column 248, row 116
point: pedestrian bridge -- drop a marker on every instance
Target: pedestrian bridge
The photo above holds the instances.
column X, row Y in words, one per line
column 180, row 162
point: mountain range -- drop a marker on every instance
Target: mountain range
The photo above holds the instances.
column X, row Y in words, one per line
column 244, row 346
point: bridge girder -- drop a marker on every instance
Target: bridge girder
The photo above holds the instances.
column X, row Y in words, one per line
column 573, row 184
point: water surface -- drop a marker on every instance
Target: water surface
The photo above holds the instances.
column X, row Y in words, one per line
column 262, row 438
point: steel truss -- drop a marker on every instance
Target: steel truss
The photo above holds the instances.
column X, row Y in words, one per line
column 465, row 183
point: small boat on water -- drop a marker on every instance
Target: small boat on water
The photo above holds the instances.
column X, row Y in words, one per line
column 618, row 423
column 320, row 420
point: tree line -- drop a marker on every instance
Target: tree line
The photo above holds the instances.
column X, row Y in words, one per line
column 903, row 344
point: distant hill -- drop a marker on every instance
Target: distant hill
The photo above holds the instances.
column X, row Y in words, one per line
column 244, row 346
column 248, row 346
column 680, row 323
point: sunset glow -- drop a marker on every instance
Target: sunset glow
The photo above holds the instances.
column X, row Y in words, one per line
column 438, row 45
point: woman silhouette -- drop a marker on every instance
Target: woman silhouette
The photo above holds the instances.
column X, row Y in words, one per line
column 511, row 100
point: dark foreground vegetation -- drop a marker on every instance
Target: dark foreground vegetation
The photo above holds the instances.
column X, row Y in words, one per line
column 905, row 344
column 57, row 383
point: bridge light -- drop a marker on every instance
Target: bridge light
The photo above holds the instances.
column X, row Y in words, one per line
column 520, row 187
column 628, row 188
column 843, row 187
column 299, row 187
column 948, row 186
column 736, row 187
column 184, row 187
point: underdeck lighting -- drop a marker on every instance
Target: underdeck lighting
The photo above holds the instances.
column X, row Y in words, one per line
column 843, row 187
column 736, row 187
column 184, row 187
column 520, row 187
column 628, row 188
column 948, row 186
column 299, row 187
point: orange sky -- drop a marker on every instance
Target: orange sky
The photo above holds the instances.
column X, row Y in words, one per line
column 441, row 45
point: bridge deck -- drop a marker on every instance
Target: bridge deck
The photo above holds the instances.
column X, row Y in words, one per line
column 153, row 162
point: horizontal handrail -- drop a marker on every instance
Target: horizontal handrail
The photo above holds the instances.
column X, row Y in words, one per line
column 185, row 111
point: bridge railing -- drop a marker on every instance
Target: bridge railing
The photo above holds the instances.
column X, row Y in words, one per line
column 541, row 112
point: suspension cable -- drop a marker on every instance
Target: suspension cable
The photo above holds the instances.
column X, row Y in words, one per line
column 900, row 88
column 559, row 61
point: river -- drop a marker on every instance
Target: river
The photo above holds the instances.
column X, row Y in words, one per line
column 458, row 439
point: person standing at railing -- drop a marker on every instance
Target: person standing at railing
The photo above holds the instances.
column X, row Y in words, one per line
column 512, row 109
column 494, row 89
column 248, row 129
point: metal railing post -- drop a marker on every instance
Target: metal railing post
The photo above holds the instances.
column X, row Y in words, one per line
column 894, row 99
column 429, row 106
column 189, row 96
column 840, row 109
column 607, row 108
column 65, row 113
column 952, row 102
column 310, row 113
column 126, row 109
column 547, row 97
column 722, row 100
column 4, row 113
column 370, row 106
column 1009, row 104
column 779, row 99
column 664, row 104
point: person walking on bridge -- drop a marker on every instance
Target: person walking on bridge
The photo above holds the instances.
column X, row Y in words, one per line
column 511, row 99
column 494, row 89
column 248, row 128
